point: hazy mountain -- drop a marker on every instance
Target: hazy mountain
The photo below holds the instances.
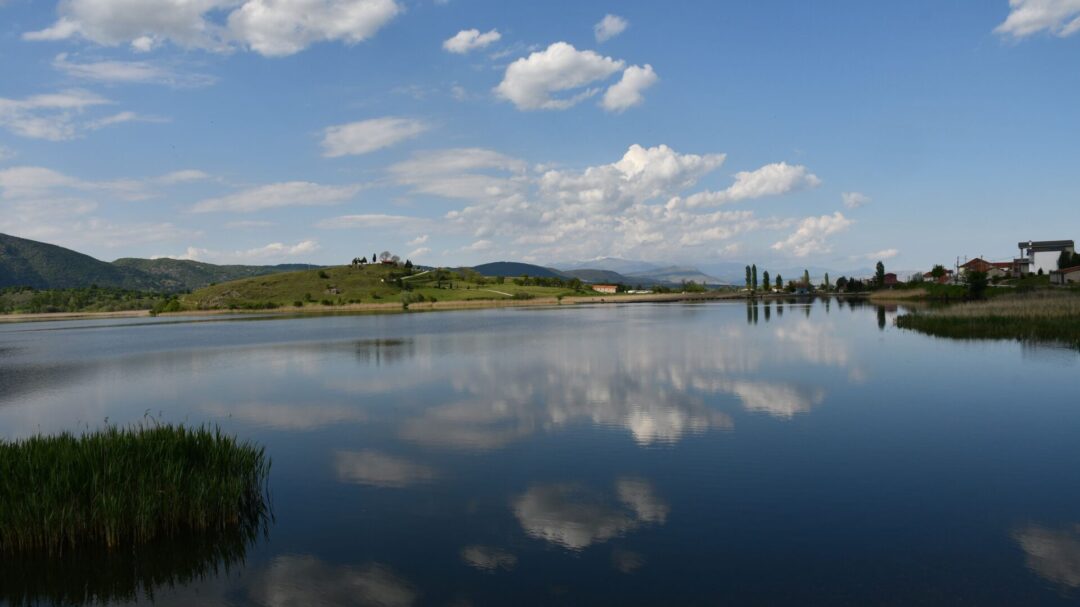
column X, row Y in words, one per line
column 612, row 264
column 41, row 265
column 676, row 275
column 515, row 268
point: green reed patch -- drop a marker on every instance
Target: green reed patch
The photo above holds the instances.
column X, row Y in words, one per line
column 1049, row 317
column 122, row 487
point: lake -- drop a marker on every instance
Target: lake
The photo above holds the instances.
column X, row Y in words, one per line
column 644, row 454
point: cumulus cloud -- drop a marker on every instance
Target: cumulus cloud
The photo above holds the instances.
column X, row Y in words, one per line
column 417, row 253
column 277, row 195
column 6, row 153
column 812, row 235
column 609, row 27
column 1026, row 17
column 626, row 93
column 374, row 220
column 369, row 135
column 466, row 173
column 770, row 180
column 854, row 200
column 470, row 40
column 269, row 27
column 57, row 116
column 419, row 240
column 129, row 72
column 530, row 83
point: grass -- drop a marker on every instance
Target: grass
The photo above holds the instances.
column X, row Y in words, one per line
column 118, row 488
column 1051, row 316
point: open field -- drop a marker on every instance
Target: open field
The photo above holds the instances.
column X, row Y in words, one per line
column 1042, row 315
column 118, row 488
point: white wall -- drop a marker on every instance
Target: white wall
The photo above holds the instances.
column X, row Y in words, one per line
column 1046, row 261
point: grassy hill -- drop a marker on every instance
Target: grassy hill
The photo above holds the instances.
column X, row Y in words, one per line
column 375, row 283
column 29, row 263
column 44, row 266
column 183, row 274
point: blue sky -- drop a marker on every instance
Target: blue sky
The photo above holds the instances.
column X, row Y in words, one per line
column 785, row 133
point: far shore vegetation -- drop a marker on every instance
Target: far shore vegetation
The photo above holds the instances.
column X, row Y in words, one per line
column 119, row 488
column 27, row 300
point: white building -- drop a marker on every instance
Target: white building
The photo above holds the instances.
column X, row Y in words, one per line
column 1043, row 255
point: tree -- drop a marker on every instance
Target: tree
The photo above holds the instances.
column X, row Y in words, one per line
column 827, row 285
column 363, row 261
column 1068, row 260
column 779, row 281
column 806, row 277
column 753, row 284
column 765, row 280
column 408, row 264
column 976, row 283
column 879, row 275
column 938, row 272
column 748, row 277
column 841, row 284
column 385, row 256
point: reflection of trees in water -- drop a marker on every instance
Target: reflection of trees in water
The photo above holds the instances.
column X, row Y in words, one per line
column 380, row 352
column 82, row 577
column 1053, row 554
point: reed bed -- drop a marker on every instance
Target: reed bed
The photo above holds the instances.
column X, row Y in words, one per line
column 122, row 487
column 1038, row 316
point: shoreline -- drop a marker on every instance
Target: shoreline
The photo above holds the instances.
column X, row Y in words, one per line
column 388, row 307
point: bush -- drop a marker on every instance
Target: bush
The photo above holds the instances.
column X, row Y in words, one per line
column 298, row 304
column 522, row 295
column 323, row 274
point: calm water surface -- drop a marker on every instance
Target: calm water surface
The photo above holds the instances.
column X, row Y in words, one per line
column 794, row 454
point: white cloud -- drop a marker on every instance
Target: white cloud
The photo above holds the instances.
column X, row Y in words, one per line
column 276, row 195
column 530, row 82
column 1027, row 17
column 279, row 416
column 275, row 252
column 269, row 27
column 479, row 245
column 142, row 72
column 417, row 253
column 464, row 173
column 419, row 240
column 770, row 180
column 626, row 93
column 1054, row 554
column 184, row 176
column 369, row 135
column 812, row 235
column 6, row 153
column 53, row 116
column 379, row 469
column 854, row 200
column 609, row 27
column 373, row 220
column 575, row 517
column 469, row 40
column 40, row 182
column 882, row 254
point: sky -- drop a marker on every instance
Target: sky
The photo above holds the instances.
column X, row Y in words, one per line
column 777, row 132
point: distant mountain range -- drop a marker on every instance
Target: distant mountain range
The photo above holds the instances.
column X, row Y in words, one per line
column 29, row 263
column 634, row 273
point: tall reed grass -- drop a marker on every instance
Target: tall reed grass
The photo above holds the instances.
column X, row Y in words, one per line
column 122, row 487
column 1052, row 316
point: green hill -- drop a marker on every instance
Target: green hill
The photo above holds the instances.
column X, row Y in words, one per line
column 29, row 263
column 514, row 268
column 374, row 283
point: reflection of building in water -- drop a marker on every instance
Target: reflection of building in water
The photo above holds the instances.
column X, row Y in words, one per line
column 1053, row 554
column 575, row 517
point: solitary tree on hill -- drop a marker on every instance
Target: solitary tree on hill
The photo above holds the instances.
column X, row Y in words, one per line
column 827, row 285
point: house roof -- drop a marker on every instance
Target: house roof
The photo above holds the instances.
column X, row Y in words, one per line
column 1066, row 270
